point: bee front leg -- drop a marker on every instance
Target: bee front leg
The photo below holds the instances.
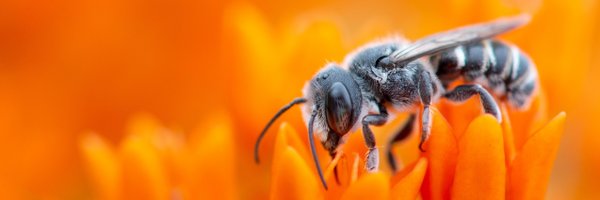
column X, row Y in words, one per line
column 372, row 159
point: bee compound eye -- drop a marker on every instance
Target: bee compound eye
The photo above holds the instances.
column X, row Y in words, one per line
column 339, row 108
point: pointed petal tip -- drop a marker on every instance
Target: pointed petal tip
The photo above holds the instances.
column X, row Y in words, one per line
column 480, row 168
column 288, row 137
column 369, row 186
column 562, row 114
column 530, row 171
column 293, row 178
column 102, row 166
column 409, row 181
column 524, row 18
column 441, row 155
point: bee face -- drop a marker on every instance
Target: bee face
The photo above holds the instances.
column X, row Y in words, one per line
column 335, row 99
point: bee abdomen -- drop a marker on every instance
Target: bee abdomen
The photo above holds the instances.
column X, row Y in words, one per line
column 502, row 68
column 522, row 80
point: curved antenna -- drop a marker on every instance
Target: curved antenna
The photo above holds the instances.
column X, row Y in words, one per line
column 312, row 148
column 298, row 100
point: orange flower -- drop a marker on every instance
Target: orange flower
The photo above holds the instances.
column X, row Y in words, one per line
column 70, row 66
column 469, row 155
column 449, row 164
column 156, row 163
column 473, row 166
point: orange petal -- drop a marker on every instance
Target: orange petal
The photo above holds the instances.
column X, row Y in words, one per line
column 166, row 144
column 369, row 186
column 332, row 165
column 530, row 171
column 480, row 169
column 402, row 173
column 287, row 136
column 293, row 179
column 171, row 148
column 103, row 166
column 409, row 181
column 143, row 125
column 405, row 151
column 253, row 52
column 143, row 174
column 441, row 151
column 527, row 122
column 345, row 171
column 319, row 40
column 344, row 176
column 460, row 115
column 509, row 141
column 355, row 164
column 212, row 162
column 356, row 143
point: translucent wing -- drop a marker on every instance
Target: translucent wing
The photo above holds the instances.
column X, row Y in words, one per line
column 452, row 38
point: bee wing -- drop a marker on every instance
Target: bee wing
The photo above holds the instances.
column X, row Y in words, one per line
column 452, row 38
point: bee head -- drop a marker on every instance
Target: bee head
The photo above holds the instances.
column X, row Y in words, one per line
column 335, row 99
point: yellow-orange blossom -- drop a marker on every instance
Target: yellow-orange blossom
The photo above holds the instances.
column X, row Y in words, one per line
column 468, row 153
column 153, row 163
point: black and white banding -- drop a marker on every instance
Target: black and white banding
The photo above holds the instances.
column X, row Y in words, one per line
column 500, row 67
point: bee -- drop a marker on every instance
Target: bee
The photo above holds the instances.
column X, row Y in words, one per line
column 407, row 76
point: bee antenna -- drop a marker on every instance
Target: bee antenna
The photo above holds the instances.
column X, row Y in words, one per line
column 264, row 131
column 312, row 148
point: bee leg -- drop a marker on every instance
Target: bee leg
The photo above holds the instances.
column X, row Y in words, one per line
column 403, row 133
column 426, row 90
column 372, row 160
column 464, row 92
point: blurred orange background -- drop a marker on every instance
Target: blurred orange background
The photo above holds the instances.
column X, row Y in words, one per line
column 68, row 67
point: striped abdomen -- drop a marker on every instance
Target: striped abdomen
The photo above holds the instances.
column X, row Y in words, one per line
column 500, row 67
